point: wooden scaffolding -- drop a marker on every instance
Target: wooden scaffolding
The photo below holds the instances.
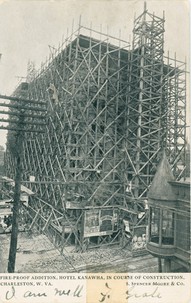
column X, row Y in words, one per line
column 112, row 109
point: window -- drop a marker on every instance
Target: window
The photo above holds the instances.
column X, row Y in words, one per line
column 161, row 226
column 155, row 224
column 167, row 227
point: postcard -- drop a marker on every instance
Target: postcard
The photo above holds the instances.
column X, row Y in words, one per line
column 95, row 151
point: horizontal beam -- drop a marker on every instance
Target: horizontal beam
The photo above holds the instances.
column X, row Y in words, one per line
column 72, row 182
column 11, row 98
column 18, row 114
column 23, row 107
column 103, row 34
column 22, row 130
column 24, row 122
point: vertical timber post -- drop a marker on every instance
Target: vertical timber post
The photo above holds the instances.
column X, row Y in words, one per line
column 63, row 235
column 82, row 232
column 159, row 265
column 17, row 192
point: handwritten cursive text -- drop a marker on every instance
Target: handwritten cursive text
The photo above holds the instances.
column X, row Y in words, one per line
column 131, row 292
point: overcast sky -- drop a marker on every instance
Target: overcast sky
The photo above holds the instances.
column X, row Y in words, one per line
column 28, row 27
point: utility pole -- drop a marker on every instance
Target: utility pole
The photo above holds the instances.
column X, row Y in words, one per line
column 17, row 193
column 18, row 125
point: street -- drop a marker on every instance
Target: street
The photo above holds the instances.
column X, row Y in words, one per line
column 35, row 253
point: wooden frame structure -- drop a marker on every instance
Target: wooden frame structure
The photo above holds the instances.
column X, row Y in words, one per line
column 111, row 110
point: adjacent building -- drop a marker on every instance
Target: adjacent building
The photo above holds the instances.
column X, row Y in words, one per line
column 169, row 220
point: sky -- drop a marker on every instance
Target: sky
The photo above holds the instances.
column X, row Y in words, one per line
column 28, row 28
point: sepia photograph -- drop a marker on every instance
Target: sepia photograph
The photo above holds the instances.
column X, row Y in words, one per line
column 94, row 137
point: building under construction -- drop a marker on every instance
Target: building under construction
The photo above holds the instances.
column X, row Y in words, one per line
column 112, row 108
